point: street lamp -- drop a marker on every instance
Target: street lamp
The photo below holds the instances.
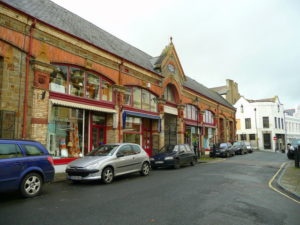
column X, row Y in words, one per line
column 256, row 129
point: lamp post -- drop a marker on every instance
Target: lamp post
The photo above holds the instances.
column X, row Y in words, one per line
column 256, row 128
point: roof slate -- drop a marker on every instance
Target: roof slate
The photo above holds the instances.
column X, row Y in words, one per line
column 200, row 88
column 57, row 16
column 220, row 90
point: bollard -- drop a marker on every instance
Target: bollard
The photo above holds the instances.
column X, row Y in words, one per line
column 297, row 156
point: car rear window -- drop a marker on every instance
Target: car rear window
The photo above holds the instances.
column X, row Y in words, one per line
column 10, row 151
column 32, row 150
column 136, row 149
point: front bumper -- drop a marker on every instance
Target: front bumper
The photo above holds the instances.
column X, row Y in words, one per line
column 163, row 163
column 83, row 174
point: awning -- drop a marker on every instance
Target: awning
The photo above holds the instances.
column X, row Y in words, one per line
column 81, row 106
column 141, row 115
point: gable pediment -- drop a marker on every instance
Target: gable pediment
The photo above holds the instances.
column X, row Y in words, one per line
column 169, row 65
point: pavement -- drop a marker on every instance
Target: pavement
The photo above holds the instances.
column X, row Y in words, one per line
column 289, row 180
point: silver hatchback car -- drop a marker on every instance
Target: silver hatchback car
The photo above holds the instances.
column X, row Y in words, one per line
column 108, row 161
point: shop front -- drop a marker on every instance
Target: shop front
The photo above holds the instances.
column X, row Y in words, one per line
column 74, row 131
column 142, row 129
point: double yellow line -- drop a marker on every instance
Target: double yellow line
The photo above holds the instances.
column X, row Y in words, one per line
column 273, row 188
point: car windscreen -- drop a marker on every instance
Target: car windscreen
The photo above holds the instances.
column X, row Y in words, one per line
column 296, row 142
column 223, row 145
column 103, row 150
column 237, row 144
column 169, row 148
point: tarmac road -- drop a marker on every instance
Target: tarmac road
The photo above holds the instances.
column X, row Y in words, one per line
column 234, row 191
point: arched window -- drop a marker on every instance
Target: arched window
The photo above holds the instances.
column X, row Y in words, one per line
column 169, row 94
column 140, row 98
column 77, row 82
column 208, row 117
column 191, row 112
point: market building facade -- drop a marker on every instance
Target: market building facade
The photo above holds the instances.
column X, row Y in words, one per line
column 73, row 86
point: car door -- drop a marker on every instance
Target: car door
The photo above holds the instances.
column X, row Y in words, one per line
column 182, row 154
column 11, row 165
column 125, row 160
column 190, row 153
column 138, row 157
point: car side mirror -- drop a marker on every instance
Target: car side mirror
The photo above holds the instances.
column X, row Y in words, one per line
column 120, row 155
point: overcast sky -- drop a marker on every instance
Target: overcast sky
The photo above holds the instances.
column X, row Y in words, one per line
column 256, row 43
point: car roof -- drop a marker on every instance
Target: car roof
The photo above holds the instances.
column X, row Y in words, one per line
column 18, row 140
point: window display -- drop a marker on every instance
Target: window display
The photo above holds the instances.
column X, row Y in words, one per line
column 92, row 86
column 65, row 132
column 106, row 91
column 141, row 98
column 76, row 82
column 58, row 79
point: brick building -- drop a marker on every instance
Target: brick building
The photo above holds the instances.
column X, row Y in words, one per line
column 72, row 86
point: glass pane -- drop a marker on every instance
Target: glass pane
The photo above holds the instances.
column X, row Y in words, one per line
column 171, row 97
column 65, row 132
column 9, row 151
column 132, row 138
column 153, row 103
column 133, row 124
column 58, row 79
column 137, row 98
column 76, row 82
column 98, row 119
column 106, row 91
column 92, row 86
column 32, row 150
column 145, row 100
column 127, row 96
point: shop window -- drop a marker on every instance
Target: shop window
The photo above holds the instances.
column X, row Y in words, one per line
column 76, row 82
column 252, row 137
column 7, row 124
column 137, row 98
column 58, row 79
column 133, row 124
column 106, row 91
column 65, row 132
column 243, row 137
column 99, row 119
column 127, row 96
column 132, row 138
column 92, row 86
column 265, row 122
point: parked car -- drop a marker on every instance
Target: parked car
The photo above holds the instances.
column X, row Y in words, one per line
column 292, row 148
column 174, row 156
column 24, row 166
column 239, row 148
column 223, row 150
column 108, row 161
column 249, row 147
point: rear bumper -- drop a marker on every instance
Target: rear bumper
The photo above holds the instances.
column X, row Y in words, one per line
column 162, row 163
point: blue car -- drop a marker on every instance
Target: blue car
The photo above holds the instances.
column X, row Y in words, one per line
column 24, row 166
column 174, row 156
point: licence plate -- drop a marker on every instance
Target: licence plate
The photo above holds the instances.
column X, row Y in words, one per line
column 159, row 162
column 76, row 177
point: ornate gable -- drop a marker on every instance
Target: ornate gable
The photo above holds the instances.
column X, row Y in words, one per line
column 169, row 65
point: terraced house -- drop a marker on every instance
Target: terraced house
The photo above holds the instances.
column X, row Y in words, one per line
column 72, row 86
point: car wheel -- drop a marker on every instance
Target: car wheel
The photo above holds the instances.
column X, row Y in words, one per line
column 31, row 185
column 107, row 175
column 177, row 164
column 193, row 162
column 145, row 169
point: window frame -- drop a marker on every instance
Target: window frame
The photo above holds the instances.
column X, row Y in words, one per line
column 85, row 73
column 193, row 111
column 247, row 123
column 266, row 122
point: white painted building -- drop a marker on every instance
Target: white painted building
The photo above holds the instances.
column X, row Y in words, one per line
column 292, row 122
column 261, row 122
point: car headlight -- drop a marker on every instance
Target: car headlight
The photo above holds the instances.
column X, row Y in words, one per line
column 92, row 167
column 152, row 159
column 169, row 158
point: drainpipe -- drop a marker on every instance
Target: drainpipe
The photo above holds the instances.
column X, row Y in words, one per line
column 29, row 54
column 119, row 101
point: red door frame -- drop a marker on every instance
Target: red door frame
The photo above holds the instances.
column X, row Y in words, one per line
column 147, row 130
column 91, row 131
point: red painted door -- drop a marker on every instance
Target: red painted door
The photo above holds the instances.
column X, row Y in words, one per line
column 147, row 140
column 98, row 136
